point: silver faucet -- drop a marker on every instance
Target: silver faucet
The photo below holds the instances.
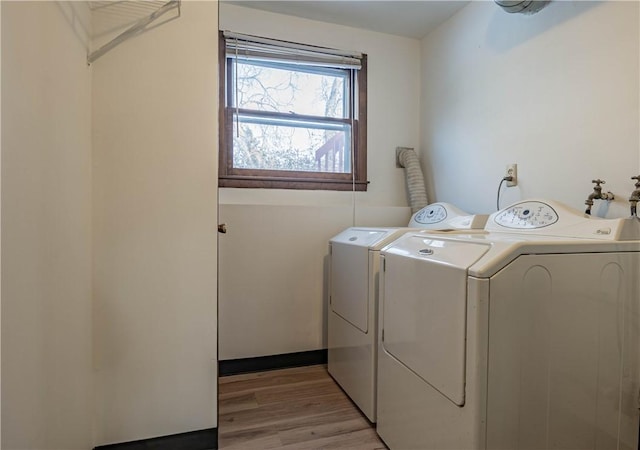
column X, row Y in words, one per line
column 635, row 197
column 597, row 195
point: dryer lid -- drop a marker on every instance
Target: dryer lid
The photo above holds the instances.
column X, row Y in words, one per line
column 424, row 308
column 439, row 249
column 367, row 237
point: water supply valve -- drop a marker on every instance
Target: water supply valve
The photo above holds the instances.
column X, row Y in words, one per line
column 635, row 196
column 597, row 195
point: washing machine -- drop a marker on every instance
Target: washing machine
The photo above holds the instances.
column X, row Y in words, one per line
column 353, row 300
column 524, row 337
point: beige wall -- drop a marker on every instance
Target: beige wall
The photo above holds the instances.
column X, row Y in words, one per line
column 46, row 227
column 556, row 92
column 272, row 296
column 393, row 85
column 273, row 280
column 155, row 217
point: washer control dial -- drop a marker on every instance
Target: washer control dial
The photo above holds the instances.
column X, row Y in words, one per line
column 431, row 214
column 527, row 215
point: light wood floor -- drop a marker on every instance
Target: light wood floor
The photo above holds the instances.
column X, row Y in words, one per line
column 300, row 408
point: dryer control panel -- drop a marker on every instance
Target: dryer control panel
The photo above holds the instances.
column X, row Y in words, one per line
column 431, row 214
column 551, row 218
column 527, row 215
column 444, row 216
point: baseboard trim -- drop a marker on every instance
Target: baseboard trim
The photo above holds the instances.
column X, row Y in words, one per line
column 192, row 440
column 271, row 362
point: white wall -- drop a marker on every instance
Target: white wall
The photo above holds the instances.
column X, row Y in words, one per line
column 272, row 306
column 273, row 285
column 155, row 218
column 46, row 227
column 393, row 89
column 556, row 92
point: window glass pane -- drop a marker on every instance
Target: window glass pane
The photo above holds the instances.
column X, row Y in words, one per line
column 290, row 145
column 288, row 89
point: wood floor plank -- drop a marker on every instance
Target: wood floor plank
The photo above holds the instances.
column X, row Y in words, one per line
column 293, row 410
column 308, row 390
column 237, row 403
column 274, row 388
column 258, row 439
column 357, row 440
column 319, row 431
column 300, row 408
column 266, row 380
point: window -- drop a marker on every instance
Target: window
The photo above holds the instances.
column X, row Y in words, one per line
column 292, row 116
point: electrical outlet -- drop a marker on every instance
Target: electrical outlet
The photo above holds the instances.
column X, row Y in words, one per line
column 512, row 171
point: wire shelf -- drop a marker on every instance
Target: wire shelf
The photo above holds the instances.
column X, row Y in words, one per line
column 134, row 17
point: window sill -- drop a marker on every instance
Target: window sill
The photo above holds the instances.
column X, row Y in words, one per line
column 291, row 183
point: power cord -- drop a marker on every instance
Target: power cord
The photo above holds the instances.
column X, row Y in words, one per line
column 507, row 178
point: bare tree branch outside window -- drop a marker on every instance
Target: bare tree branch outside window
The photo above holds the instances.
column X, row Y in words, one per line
column 286, row 143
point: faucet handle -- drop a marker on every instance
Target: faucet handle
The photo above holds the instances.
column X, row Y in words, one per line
column 637, row 178
column 598, row 182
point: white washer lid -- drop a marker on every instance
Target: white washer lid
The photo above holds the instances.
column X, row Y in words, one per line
column 367, row 237
column 438, row 248
column 424, row 308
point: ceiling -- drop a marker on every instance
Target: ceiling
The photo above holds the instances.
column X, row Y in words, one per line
column 413, row 19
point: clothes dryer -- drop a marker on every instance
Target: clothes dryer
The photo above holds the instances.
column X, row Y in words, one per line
column 352, row 312
column 524, row 337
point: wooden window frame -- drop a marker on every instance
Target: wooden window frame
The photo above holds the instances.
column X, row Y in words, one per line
column 286, row 179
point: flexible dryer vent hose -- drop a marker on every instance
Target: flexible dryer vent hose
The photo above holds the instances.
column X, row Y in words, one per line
column 522, row 6
column 408, row 159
